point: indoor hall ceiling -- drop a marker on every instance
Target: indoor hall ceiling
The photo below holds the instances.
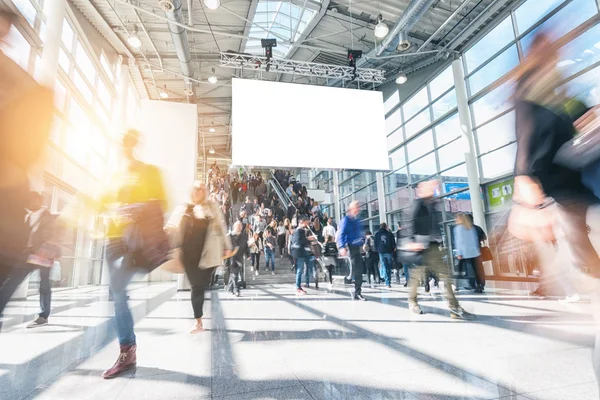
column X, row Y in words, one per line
column 337, row 26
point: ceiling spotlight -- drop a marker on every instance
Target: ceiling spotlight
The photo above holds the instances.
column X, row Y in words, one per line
column 163, row 93
column 381, row 29
column 133, row 39
column 401, row 79
column 212, row 129
column 211, row 150
column 213, row 78
column 212, row 4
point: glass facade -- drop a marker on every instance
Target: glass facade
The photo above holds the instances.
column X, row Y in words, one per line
column 83, row 150
column 424, row 133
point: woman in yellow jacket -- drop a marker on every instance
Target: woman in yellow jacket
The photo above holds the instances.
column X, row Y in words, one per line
column 138, row 184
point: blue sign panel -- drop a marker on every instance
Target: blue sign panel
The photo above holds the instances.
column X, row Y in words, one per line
column 452, row 186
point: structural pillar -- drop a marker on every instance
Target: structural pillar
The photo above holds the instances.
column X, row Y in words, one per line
column 336, row 196
column 467, row 134
column 381, row 198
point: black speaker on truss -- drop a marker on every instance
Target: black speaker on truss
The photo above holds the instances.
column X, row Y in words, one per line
column 268, row 45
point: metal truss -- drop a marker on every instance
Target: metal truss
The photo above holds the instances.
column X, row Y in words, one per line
column 303, row 68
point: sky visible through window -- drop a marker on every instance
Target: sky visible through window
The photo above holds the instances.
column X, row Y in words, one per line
column 277, row 20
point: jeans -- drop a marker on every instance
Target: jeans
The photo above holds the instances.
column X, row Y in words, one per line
column 406, row 272
column 270, row 257
column 255, row 260
column 358, row 268
column 10, row 279
column 310, row 269
column 45, row 293
column 434, row 264
column 300, row 263
column 372, row 262
column 234, row 279
column 120, row 274
column 386, row 260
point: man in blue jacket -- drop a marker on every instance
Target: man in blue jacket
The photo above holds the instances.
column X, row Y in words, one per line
column 385, row 243
column 350, row 240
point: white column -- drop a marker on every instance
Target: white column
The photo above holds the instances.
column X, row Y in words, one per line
column 381, row 198
column 467, row 132
column 336, row 196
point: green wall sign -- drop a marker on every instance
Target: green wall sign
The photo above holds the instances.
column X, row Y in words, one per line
column 500, row 193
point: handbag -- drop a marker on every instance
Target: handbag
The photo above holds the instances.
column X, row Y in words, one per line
column 581, row 151
column 145, row 237
column 486, row 254
column 410, row 258
column 532, row 224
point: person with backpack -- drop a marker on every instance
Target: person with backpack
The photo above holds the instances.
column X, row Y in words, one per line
column 385, row 244
column 330, row 260
column 270, row 246
column 239, row 241
column 371, row 258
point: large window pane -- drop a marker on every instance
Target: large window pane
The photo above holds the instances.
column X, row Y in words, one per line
column 83, row 87
column 490, row 44
column 60, row 95
column 104, row 95
column 444, row 105
column 419, row 146
column 64, row 61
column 417, row 123
column 495, row 69
column 396, row 180
column 565, row 20
column 492, row 104
column 586, row 87
column 532, row 11
column 68, row 36
column 415, row 104
column 499, row 162
column 27, row 9
column 497, row 133
column 392, row 101
column 397, row 159
column 448, row 130
column 85, row 64
column 397, row 200
column 395, row 139
column 423, row 168
column 455, row 175
column 581, row 52
column 16, row 47
column 452, row 154
column 393, row 122
column 443, row 82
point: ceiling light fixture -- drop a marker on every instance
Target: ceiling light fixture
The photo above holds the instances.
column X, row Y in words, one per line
column 381, row 29
column 211, row 150
column 212, row 129
column 212, row 4
column 401, row 79
column 163, row 93
column 213, row 78
column 133, row 39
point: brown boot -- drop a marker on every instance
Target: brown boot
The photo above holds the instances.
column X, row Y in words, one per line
column 126, row 361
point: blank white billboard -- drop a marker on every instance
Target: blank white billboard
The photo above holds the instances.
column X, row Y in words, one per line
column 303, row 126
column 169, row 140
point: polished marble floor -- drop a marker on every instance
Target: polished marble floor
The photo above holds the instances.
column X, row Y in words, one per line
column 270, row 344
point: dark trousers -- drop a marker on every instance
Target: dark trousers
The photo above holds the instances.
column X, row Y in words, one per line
column 45, row 292
column 10, row 279
column 358, row 268
column 372, row 262
column 330, row 272
column 234, row 279
column 477, row 268
column 199, row 279
column 255, row 260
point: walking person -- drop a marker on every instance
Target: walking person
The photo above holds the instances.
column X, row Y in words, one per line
column 330, row 260
column 425, row 231
column 371, row 258
column 239, row 241
column 204, row 245
column 400, row 237
column 138, row 188
column 467, row 246
column 281, row 238
column 350, row 240
column 385, row 244
column 329, row 229
column 300, row 250
column 255, row 244
column 270, row 246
